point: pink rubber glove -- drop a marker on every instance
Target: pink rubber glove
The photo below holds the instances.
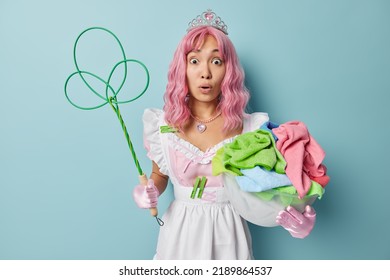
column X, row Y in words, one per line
column 146, row 196
column 298, row 224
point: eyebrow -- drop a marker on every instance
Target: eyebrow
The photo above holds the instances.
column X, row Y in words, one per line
column 199, row 50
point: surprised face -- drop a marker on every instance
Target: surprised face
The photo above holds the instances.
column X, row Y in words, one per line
column 205, row 71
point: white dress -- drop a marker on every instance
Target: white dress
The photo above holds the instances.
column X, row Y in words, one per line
column 196, row 228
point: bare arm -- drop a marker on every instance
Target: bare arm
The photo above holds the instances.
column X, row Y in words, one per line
column 160, row 180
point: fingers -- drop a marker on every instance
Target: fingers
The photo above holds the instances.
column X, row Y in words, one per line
column 291, row 218
column 151, row 187
column 309, row 212
column 146, row 196
column 151, row 191
column 287, row 220
column 295, row 213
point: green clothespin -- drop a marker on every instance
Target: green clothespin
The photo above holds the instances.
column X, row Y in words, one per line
column 201, row 186
column 196, row 185
column 168, row 129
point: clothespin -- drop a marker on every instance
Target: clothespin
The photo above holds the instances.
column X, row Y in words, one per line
column 199, row 184
column 168, row 129
column 195, row 187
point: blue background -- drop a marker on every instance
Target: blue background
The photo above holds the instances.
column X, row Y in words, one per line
column 66, row 175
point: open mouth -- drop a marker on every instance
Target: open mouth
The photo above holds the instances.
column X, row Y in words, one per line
column 205, row 87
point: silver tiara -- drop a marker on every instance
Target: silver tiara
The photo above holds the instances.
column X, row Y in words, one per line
column 208, row 18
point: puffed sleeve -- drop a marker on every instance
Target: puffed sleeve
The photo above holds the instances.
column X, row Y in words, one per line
column 152, row 120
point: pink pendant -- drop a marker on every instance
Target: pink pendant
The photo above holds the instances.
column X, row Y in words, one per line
column 201, row 127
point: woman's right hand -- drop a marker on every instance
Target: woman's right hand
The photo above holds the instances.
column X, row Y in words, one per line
column 146, row 196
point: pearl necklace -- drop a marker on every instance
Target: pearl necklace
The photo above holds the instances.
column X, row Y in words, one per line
column 201, row 126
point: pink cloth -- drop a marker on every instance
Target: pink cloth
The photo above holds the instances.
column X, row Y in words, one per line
column 303, row 155
column 322, row 180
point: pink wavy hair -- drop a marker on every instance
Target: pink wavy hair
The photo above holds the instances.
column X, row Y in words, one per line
column 234, row 95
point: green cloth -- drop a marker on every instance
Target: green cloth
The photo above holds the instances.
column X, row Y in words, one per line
column 288, row 194
column 256, row 148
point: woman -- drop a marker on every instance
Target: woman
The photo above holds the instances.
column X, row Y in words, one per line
column 204, row 109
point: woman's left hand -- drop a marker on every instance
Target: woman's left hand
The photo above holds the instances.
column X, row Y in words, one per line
column 298, row 224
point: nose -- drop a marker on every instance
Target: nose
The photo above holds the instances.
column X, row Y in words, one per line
column 205, row 72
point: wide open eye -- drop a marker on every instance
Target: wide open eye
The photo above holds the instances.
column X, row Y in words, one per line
column 217, row 61
column 194, row 61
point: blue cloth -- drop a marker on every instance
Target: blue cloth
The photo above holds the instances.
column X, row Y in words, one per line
column 268, row 126
column 258, row 179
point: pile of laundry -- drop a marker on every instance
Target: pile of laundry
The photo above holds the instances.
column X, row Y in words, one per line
column 283, row 160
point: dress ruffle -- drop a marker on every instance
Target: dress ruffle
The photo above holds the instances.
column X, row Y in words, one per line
column 193, row 153
column 152, row 120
